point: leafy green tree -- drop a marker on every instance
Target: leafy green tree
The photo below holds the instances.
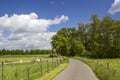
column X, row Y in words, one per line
column 66, row 42
column 4, row 52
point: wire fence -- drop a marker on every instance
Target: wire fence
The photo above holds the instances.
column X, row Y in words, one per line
column 28, row 70
column 105, row 69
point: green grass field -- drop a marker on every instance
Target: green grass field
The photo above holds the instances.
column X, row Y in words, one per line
column 21, row 57
column 20, row 71
column 106, row 69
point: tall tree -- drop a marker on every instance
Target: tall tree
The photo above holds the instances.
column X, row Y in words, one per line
column 66, row 42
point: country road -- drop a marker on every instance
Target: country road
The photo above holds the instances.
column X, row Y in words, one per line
column 76, row 70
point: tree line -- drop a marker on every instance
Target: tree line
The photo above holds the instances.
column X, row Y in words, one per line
column 100, row 38
column 24, row 52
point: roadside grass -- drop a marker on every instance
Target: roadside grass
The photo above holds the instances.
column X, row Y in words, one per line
column 105, row 69
column 53, row 73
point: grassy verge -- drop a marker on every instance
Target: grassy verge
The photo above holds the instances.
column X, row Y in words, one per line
column 52, row 74
column 106, row 69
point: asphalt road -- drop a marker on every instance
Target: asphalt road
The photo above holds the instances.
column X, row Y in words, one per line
column 76, row 70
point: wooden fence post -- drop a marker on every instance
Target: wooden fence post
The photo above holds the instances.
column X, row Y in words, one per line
column 52, row 64
column 41, row 67
column 16, row 73
column 28, row 75
column 47, row 66
column 2, row 71
column 55, row 63
column 108, row 65
column 58, row 60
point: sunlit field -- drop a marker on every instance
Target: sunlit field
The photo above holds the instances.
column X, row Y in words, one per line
column 106, row 69
column 27, row 66
column 21, row 57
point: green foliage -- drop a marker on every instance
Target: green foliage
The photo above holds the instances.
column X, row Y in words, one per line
column 101, row 38
column 25, row 52
column 105, row 38
column 53, row 55
column 65, row 42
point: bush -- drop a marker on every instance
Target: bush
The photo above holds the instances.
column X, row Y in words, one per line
column 53, row 55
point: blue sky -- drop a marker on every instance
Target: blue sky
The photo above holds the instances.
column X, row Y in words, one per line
column 76, row 10
column 53, row 14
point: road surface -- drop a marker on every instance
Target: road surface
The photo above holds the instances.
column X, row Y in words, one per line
column 76, row 70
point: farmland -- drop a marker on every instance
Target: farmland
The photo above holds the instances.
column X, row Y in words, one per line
column 29, row 68
column 21, row 57
column 106, row 69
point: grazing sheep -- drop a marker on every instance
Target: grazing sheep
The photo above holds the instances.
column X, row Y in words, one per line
column 21, row 61
column 36, row 60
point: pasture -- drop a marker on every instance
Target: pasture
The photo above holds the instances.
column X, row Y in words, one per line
column 29, row 68
column 21, row 57
column 106, row 69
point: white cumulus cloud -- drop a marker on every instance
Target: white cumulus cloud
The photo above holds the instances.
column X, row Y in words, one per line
column 27, row 31
column 115, row 7
column 28, row 23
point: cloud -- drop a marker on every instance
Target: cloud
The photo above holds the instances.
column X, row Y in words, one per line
column 115, row 7
column 28, row 41
column 28, row 23
column 27, row 31
column 56, row 2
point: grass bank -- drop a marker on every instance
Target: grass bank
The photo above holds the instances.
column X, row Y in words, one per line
column 52, row 74
column 105, row 69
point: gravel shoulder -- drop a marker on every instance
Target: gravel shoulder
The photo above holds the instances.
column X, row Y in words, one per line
column 76, row 70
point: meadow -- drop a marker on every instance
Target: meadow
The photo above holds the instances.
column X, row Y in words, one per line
column 21, row 57
column 105, row 69
column 27, row 70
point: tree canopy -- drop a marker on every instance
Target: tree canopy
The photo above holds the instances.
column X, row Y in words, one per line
column 25, row 52
column 100, row 38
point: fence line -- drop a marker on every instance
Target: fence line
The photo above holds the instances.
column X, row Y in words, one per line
column 54, row 62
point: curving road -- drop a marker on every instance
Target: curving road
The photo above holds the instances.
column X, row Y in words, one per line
column 76, row 70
